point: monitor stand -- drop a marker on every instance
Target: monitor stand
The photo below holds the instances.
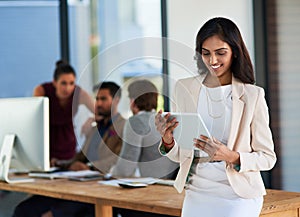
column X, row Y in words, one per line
column 5, row 158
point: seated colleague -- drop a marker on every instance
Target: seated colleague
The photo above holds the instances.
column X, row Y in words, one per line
column 104, row 141
column 64, row 99
column 101, row 147
column 141, row 140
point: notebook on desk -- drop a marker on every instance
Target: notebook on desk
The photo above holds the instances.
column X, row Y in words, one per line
column 67, row 174
column 137, row 182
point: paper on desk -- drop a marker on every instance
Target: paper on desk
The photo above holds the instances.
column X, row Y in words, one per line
column 115, row 182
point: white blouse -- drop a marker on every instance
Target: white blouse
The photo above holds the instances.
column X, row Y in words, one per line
column 215, row 107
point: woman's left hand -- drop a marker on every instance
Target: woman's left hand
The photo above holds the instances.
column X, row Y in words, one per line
column 216, row 149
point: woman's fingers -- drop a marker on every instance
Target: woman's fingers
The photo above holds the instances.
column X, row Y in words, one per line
column 165, row 124
column 160, row 123
column 210, row 146
column 199, row 143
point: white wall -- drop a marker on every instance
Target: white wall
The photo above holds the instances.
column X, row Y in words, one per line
column 185, row 19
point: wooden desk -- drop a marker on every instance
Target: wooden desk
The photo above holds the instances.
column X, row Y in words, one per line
column 155, row 198
column 281, row 203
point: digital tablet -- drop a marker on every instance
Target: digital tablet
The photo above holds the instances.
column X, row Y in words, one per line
column 190, row 126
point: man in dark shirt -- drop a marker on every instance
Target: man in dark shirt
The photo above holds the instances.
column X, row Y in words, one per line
column 101, row 150
column 104, row 141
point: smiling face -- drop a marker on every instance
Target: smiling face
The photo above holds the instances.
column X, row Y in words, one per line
column 217, row 56
column 65, row 85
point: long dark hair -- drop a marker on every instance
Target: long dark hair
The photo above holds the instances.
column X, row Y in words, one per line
column 63, row 67
column 228, row 32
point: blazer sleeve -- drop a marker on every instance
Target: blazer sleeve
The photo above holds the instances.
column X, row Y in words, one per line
column 262, row 157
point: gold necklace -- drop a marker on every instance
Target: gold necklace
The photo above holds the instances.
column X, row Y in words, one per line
column 210, row 100
column 210, row 97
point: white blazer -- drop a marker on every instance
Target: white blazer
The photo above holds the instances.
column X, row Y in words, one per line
column 250, row 135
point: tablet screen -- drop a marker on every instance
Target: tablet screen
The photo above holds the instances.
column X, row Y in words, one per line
column 190, row 126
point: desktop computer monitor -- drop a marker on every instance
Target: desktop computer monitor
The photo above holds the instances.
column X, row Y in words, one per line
column 24, row 135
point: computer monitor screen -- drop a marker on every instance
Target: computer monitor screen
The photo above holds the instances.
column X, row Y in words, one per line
column 24, row 134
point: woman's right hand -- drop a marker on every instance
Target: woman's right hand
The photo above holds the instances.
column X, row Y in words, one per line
column 165, row 125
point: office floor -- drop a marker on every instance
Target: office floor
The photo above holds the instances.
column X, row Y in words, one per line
column 8, row 201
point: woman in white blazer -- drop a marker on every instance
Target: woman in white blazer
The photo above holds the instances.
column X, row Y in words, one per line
column 236, row 114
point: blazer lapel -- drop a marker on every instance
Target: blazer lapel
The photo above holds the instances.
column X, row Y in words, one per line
column 194, row 94
column 237, row 110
